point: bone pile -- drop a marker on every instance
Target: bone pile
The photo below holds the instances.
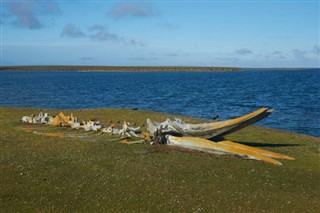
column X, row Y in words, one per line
column 74, row 123
column 177, row 133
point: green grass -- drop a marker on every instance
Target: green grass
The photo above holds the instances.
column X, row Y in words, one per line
column 96, row 173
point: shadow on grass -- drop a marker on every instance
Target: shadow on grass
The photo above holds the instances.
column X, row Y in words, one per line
column 258, row 144
column 255, row 144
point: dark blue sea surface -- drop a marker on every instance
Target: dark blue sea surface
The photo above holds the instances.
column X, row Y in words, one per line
column 295, row 95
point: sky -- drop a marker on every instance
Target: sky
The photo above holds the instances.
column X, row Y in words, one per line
column 256, row 33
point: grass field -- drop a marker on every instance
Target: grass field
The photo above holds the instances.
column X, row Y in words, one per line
column 82, row 171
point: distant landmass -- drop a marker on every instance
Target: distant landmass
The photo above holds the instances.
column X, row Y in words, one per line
column 138, row 68
column 280, row 68
column 121, row 68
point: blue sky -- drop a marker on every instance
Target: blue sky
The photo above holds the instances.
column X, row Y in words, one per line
column 161, row 33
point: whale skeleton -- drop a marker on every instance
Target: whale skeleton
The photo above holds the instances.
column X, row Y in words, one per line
column 177, row 133
column 196, row 136
column 72, row 122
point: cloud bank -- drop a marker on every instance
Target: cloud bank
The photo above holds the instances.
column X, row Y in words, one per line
column 131, row 9
column 27, row 14
column 72, row 31
column 243, row 51
column 97, row 33
column 101, row 33
column 316, row 49
column 299, row 54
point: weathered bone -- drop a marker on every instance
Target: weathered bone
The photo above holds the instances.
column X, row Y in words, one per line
column 91, row 125
column 45, row 119
column 256, row 150
column 166, row 132
column 28, row 119
column 126, row 130
column 62, row 120
column 194, row 136
column 56, row 121
column 37, row 119
column 217, row 148
column 207, row 130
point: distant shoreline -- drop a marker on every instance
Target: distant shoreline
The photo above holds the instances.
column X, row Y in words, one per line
column 140, row 68
column 121, row 68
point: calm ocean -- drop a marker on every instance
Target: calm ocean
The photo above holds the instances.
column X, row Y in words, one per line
column 295, row 95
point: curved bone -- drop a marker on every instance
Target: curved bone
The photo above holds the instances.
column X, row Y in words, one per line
column 256, row 150
column 212, row 147
column 208, row 130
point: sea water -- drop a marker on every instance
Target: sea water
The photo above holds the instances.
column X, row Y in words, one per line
column 295, row 95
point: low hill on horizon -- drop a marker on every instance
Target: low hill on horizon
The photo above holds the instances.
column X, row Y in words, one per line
column 123, row 68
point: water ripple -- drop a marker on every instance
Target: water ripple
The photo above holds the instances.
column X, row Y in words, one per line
column 294, row 94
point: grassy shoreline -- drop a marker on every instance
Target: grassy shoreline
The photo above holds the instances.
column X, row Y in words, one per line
column 93, row 172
